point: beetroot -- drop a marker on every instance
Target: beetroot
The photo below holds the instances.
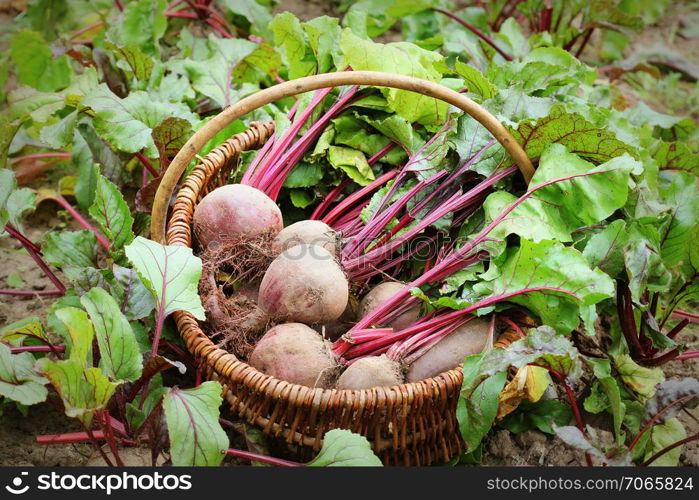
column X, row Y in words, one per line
column 372, row 371
column 312, row 232
column 232, row 211
column 380, row 294
column 451, row 350
column 296, row 353
column 304, row 284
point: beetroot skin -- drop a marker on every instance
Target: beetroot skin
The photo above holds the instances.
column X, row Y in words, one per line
column 304, row 284
column 296, row 353
column 311, row 232
column 232, row 211
column 451, row 350
column 372, row 371
column 380, row 294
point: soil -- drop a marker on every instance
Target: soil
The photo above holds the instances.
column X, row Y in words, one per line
column 18, row 446
column 308, row 9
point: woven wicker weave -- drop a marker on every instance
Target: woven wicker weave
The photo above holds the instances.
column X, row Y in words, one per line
column 410, row 424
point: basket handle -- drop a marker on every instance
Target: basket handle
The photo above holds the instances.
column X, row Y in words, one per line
column 314, row 82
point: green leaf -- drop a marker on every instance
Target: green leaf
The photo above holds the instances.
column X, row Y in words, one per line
column 664, row 435
column 397, row 129
column 645, row 266
column 143, row 25
column 140, row 64
column 26, row 103
column 19, row 202
column 83, row 391
column 640, row 379
column 532, row 219
column 81, row 333
column 568, row 285
column 374, row 17
column 475, row 81
column 171, row 273
column 354, row 133
column 169, row 137
column 511, row 32
column 353, row 162
column 556, row 210
column 573, row 131
column 342, row 448
column 603, row 371
column 127, row 123
column 136, row 300
column 97, row 151
column 676, row 156
column 613, row 16
column 605, row 248
column 212, row 77
column 112, row 213
column 85, row 278
column 679, row 236
column 540, row 415
column 304, row 175
column 7, row 184
column 120, row 356
column 544, row 70
column 478, row 402
column 405, row 59
column 300, row 198
column 196, row 437
column 137, row 416
column 18, row 380
column 513, row 105
column 35, row 64
column 432, row 157
column 24, row 329
column 171, row 88
column 60, row 134
column 324, row 40
column 70, row 248
column 586, row 200
column 289, row 38
column 264, row 58
column 258, row 15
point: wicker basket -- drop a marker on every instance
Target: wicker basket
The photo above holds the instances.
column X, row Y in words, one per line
column 410, row 424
